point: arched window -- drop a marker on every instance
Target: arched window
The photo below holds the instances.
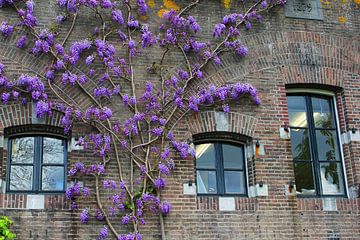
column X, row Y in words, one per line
column 315, row 145
column 220, row 165
column 36, row 162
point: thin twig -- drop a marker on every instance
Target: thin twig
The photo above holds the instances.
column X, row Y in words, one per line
column 71, row 29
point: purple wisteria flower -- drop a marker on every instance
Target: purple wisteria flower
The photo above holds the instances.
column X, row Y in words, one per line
column 22, row 42
column 6, row 29
column 242, row 51
column 86, row 191
column 60, row 18
column 160, row 183
column 165, row 208
column 103, row 233
column 117, row 16
column 84, row 216
column 164, row 169
column 125, row 220
column 99, row 215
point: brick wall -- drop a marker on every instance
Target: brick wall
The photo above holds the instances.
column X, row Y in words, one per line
column 283, row 52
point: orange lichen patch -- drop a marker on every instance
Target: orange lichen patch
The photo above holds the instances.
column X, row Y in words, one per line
column 227, row 3
column 143, row 17
column 151, row 3
column 357, row 1
column 161, row 12
column 170, row 4
column 342, row 19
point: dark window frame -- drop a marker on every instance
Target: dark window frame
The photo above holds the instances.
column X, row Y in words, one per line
column 315, row 161
column 37, row 164
column 219, row 138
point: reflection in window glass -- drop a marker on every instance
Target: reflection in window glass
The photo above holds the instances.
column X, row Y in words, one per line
column 297, row 111
column 22, row 150
column 21, row 178
column 327, row 145
column 331, row 178
column 232, row 156
column 206, row 181
column 53, row 150
column 205, row 155
column 304, row 178
column 234, row 182
column 300, row 144
column 322, row 113
column 52, row 178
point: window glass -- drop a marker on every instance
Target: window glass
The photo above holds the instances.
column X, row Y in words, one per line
column 21, row 178
column 234, row 182
column 304, row 178
column 206, row 181
column 233, row 156
column 22, row 150
column 205, row 155
column 52, row 178
column 297, row 111
column 327, row 146
column 331, row 178
column 53, row 151
column 322, row 113
column 300, row 147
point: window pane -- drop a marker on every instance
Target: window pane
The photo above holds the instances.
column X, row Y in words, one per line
column 331, row 178
column 233, row 156
column 53, row 150
column 297, row 111
column 52, row 178
column 206, row 181
column 304, row 178
column 22, row 150
column 327, row 146
column 322, row 113
column 300, row 144
column 205, row 155
column 234, row 182
column 21, row 178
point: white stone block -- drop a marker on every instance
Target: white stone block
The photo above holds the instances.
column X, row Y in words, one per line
column 74, row 146
column 221, row 120
column 284, row 134
column 35, row 202
column 262, row 190
column 252, row 191
column 34, row 118
column 189, row 190
column 329, row 204
column 226, row 204
column 350, row 136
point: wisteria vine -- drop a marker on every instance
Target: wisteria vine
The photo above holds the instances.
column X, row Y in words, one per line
column 146, row 137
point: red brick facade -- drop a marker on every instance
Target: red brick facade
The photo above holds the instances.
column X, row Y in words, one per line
column 284, row 53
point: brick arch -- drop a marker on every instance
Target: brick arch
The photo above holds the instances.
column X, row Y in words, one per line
column 212, row 121
column 17, row 114
column 12, row 55
column 298, row 57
